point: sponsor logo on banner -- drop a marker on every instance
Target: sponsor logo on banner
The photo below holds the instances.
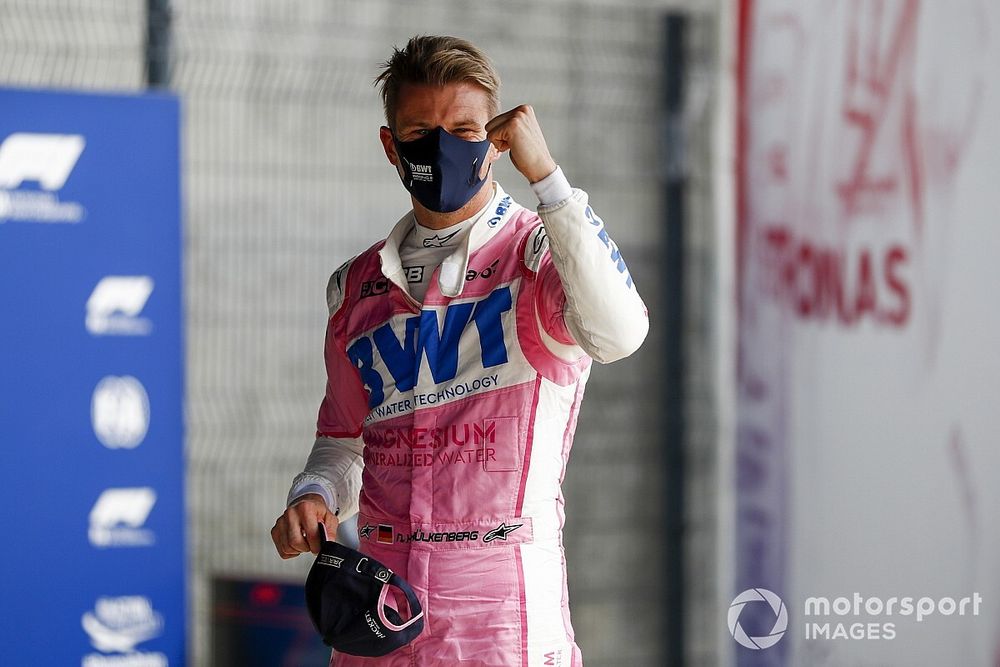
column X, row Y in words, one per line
column 117, row 625
column 115, row 304
column 119, row 515
column 119, row 412
column 45, row 160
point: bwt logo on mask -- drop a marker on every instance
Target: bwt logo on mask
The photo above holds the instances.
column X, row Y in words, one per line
column 423, row 336
column 421, row 172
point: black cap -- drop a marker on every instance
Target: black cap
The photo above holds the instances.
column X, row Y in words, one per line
column 346, row 595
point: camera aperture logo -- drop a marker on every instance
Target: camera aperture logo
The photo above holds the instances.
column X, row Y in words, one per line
column 758, row 595
column 858, row 617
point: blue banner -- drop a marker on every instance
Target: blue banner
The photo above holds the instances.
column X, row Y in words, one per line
column 91, row 425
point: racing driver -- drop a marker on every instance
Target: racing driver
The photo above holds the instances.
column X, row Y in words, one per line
column 457, row 351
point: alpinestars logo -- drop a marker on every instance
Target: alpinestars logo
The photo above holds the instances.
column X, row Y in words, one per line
column 118, row 624
column 48, row 161
column 501, row 532
column 115, row 304
column 117, row 518
column 437, row 241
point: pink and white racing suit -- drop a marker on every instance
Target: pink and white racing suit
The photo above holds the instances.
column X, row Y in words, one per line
column 447, row 425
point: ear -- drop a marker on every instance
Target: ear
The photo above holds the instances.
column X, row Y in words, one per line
column 492, row 155
column 385, row 136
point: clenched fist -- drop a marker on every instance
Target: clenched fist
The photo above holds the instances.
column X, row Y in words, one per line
column 518, row 131
column 297, row 530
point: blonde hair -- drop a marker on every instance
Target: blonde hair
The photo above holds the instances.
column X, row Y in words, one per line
column 436, row 61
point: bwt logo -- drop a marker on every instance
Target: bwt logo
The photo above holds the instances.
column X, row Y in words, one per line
column 47, row 159
column 423, row 336
column 615, row 253
column 777, row 607
column 114, row 306
column 117, row 518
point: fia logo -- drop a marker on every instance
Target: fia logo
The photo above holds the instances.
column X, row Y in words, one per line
column 424, row 337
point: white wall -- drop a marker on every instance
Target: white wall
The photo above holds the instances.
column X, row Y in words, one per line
column 867, row 406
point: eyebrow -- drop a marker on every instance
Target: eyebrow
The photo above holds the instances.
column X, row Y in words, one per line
column 414, row 124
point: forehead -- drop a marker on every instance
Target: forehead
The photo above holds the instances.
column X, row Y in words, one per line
column 429, row 105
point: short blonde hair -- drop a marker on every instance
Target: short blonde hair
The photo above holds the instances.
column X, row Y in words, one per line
column 436, row 61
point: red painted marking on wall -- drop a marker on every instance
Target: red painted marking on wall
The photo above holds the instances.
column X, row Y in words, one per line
column 957, row 456
column 873, row 82
column 824, row 282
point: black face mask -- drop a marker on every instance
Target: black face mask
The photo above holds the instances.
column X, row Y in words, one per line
column 346, row 593
column 440, row 170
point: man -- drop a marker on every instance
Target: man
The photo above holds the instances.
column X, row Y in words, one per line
column 457, row 352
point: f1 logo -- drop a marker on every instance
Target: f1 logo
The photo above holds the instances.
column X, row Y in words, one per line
column 45, row 158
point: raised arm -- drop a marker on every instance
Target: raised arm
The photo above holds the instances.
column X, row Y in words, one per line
column 588, row 297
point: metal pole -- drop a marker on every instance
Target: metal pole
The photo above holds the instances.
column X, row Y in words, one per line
column 674, row 177
column 159, row 21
